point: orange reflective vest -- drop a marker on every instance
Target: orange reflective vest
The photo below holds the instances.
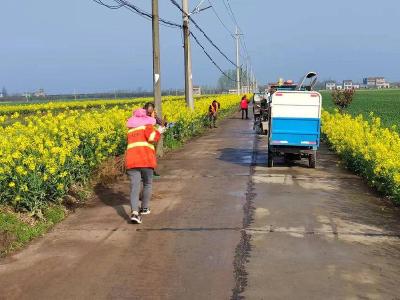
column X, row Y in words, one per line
column 141, row 152
column 213, row 109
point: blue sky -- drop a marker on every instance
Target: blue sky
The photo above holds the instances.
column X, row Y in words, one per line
column 67, row 45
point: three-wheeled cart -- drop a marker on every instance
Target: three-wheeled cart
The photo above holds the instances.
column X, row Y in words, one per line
column 256, row 101
column 260, row 111
column 295, row 121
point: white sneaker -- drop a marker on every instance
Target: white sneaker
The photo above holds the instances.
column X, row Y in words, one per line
column 145, row 211
column 136, row 218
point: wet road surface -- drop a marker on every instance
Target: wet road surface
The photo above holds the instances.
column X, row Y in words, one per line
column 223, row 226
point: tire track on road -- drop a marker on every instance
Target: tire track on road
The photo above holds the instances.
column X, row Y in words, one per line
column 243, row 249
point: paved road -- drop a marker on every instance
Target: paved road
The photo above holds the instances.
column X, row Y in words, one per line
column 223, row 226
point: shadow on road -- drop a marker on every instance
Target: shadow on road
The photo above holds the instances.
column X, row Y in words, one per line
column 242, row 157
column 115, row 199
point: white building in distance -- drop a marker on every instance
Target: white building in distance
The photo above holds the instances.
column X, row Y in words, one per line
column 330, row 85
column 347, row 84
column 376, row 82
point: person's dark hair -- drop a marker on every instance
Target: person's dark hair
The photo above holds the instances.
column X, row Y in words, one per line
column 148, row 105
column 214, row 101
column 244, row 97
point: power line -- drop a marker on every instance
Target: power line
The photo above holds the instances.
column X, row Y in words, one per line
column 202, row 31
column 230, row 13
column 209, row 57
column 234, row 19
column 219, row 18
column 138, row 11
column 148, row 16
column 108, row 5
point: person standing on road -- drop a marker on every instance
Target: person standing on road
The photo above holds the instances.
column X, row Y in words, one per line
column 140, row 160
column 213, row 113
column 244, row 106
column 151, row 112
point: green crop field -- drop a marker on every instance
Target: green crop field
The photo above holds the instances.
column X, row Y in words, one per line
column 383, row 103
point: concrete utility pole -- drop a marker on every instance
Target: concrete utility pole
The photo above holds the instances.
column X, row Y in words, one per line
column 156, row 66
column 156, row 58
column 248, row 76
column 237, row 37
column 188, row 56
column 251, row 79
column 253, row 84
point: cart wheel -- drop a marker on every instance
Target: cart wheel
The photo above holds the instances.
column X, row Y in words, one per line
column 312, row 160
column 270, row 160
column 287, row 157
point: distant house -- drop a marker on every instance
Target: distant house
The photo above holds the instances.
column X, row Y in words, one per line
column 196, row 90
column 369, row 81
column 395, row 84
column 356, row 86
column 40, row 93
column 27, row 96
column 1, row 95
column 245, row 89
column 347, row 84
column 376, row 82
column 232, row 91
column 330, row 85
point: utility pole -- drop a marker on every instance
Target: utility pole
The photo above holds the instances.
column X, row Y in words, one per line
column 156, row 66
column 251, row 79
column 248, row 75
column 237, row 37
column 187, row 55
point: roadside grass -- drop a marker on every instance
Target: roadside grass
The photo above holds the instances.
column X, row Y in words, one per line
column 17, row 229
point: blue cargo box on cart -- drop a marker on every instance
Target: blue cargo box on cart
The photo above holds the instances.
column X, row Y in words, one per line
column 295, row 124
column 295, row 132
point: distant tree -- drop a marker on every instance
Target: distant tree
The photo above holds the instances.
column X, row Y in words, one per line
column 343, row 98
column 225, row 83
column 4, row 92
column 228, row 82
column 320, row 85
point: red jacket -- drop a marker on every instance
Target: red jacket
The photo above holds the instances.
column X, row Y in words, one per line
column 141, row 152
column 244, row 104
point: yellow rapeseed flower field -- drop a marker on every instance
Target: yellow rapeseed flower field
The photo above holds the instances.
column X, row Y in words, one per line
column 368, row 148
column 43, row 155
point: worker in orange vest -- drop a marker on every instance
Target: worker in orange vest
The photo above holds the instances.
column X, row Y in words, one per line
column 244, row 106
column 140, row 160
column 213, row 113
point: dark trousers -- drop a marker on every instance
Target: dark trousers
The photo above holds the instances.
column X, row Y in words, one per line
column 213, row 119
column 247, row 113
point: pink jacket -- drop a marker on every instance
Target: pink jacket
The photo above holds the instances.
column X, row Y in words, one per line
column 244, row 104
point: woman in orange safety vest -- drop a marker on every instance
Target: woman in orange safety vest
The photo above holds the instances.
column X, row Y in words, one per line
column 213, row 113
column 140, row 160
